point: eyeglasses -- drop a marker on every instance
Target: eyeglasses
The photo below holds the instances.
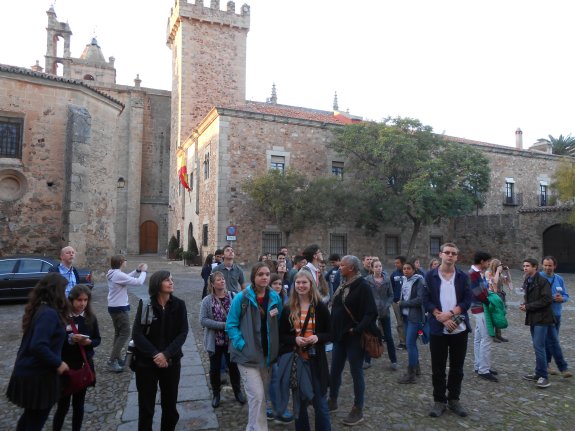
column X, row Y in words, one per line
column 450, row 253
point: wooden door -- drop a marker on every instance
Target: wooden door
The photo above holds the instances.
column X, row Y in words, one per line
column 148, row 237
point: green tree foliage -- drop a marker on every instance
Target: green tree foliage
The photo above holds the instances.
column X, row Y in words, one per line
column 293, row 201
column 563, row 145
column 401, row 171
column 564, row 183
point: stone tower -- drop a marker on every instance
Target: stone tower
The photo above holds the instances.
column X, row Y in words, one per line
column 208, row 69
column 208, row 60
column 55, row 31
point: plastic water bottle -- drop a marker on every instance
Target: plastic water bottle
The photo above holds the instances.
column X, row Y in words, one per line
column 129, row 354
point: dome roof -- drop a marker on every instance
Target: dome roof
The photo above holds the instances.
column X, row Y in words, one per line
column 93, row 53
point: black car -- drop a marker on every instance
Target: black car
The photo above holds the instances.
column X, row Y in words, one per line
column 19, row 274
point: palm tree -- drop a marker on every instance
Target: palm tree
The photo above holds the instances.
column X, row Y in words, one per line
column 563, row 145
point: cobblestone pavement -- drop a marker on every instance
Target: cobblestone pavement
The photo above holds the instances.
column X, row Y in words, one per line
column 511, row 404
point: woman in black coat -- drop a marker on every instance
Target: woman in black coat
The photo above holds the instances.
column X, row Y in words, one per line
column 158, row 350
column 305, row 329
column 206, row 271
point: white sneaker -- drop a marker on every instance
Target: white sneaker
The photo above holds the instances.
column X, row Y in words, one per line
column 543, row 383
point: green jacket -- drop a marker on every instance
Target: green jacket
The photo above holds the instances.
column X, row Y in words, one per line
column 495, row 314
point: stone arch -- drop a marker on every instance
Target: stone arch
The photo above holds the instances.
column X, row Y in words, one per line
column 559, row 241
column 148, row 237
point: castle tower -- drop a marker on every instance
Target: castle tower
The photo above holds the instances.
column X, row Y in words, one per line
column 55, row 31
column 208, row 61
column 208, row 70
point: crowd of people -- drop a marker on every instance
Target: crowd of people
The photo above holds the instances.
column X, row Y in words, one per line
column 272, row 333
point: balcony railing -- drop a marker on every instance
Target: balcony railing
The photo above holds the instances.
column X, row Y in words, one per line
column 514, row 199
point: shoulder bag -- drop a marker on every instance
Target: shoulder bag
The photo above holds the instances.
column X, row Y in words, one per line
column 372, row 344
column 81, row 378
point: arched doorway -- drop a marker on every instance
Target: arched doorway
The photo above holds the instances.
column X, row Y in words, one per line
column 148, row 237
column 559, row 241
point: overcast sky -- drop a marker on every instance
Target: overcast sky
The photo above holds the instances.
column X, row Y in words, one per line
column 472, row 69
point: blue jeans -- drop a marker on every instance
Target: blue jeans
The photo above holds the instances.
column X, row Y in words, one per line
column 411, row 329
column 547, row 340
column 274, row 388
column 548, row 350
column 348, row 348
column 322, row 420
column 539, row 336
column 385, row 324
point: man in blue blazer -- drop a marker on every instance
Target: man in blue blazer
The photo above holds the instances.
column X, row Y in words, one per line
column 447, row 299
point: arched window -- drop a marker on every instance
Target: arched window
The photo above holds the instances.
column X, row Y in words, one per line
column 88, row 77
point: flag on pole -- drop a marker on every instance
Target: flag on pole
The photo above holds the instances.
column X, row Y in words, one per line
column 182, row 169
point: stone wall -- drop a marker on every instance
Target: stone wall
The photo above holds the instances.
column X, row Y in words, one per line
column 66, row 168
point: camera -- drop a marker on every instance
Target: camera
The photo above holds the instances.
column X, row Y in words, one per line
column 457, row 318
column 310, row 350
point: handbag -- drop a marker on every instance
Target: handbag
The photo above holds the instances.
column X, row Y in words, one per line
column 293, row 377
column 372, row 344
column 79, row 379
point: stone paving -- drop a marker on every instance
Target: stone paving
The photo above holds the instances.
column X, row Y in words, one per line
column 511, row 404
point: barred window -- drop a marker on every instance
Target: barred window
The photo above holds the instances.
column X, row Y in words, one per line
column 391, row 245
column 434, row 245
column 337, row 169
column 11, row 137
column 205, row 235
column 278, row 163
column 338, row 243
column 206, row 166
column 271, row 242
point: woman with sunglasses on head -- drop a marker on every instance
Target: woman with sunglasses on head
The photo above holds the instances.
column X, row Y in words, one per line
column 158, row 343
column 252, row 326
column 213, row 314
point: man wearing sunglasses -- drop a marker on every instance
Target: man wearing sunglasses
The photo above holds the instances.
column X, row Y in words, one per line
column 447, row 299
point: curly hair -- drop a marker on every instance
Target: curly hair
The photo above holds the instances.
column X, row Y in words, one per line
column 50, row 291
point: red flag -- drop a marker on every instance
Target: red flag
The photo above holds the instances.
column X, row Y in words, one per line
column 183, row 170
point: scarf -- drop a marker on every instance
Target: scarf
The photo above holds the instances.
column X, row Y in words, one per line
column 344, row 286
column 407, row 285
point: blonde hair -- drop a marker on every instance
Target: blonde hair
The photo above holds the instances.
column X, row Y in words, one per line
column 294, row 305
column 212, row 279
column 493, row 265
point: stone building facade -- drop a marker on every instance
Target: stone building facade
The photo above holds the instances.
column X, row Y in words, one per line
column 95, row 164
column 83, row 161
column 226, row 139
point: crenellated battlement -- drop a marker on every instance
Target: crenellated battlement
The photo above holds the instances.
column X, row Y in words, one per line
column 212, row 14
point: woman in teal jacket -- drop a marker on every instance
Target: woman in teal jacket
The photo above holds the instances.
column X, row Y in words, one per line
column 252, row 327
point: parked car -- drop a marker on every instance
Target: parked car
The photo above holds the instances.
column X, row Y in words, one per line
column 19, row 274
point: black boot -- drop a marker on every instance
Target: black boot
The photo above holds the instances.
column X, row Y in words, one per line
column 240, row 397
column 216, row 387
column 216, row 400
column 409, row 377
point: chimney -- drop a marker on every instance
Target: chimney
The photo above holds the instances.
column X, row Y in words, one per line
column 37, row 67
column 519, row 139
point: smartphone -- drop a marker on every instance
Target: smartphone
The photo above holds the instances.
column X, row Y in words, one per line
column 84, row 336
